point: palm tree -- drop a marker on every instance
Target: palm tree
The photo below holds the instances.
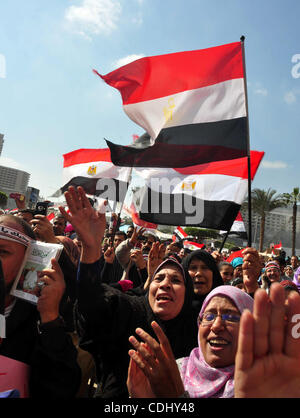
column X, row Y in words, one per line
column 263, row 202
column 3, row 199
column 293, row 198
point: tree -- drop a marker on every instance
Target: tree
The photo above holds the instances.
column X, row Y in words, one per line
column 292, row 199
column 263, row 202
column 200, row 234
column 3, row 199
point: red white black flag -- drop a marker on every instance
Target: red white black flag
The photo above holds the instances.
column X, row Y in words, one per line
column 206, row 195
column 191, row 105
column 93, row 170
column 179, row 234
column 238, row 228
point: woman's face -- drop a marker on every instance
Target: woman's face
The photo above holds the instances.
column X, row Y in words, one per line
column 166, row 292
column 226, row 273
column 218, row 340
column 202, row 276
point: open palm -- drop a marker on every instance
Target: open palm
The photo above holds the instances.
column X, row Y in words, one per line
column 268, row 356
column 88, row 223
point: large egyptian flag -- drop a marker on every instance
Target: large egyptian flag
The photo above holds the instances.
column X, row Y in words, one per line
column 207, row 195
column 94, row 171
column 191, row 105
column 238, row 228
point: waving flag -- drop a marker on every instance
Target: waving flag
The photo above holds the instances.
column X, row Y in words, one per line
column 179, row 234
column 238, row 228
column 190, row 245
column 216, row 190
column 191, row 105
column 90, row 168
column 137, row 221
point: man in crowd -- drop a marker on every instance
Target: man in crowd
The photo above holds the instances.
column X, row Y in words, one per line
column 294, row 263
column 129, row 232
column 272, row 274
column 59, row 225
column 36, row 335
column 174, row 247
column 148, row 240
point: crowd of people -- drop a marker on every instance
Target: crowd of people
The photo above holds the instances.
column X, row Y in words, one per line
column 124, row 314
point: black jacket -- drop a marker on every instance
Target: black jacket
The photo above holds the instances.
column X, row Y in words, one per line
column 106, row 319
column 51, row 355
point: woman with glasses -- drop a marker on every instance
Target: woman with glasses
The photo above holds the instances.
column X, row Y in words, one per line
column 208, row 371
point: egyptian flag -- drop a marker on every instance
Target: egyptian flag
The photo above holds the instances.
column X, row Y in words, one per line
column 193, row 246
column 91, row 169
column 179, row 234
column 191, row 105
column 207, row 195
column 137, row 221
column 234, row 255
column 238, row 228
column 51, row 217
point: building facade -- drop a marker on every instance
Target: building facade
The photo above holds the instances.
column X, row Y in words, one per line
column 13, row 181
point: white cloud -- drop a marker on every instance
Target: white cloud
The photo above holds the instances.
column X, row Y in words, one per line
column 9, row 162
column 126, row 60
column 290, row 97
column 261, row 91
column 274, row 164
column 93, row 17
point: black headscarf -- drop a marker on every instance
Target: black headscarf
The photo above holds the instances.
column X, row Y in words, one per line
column 182, row 331
column 211, row 264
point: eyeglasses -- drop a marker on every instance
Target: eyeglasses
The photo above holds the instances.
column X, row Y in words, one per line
column 208, row 318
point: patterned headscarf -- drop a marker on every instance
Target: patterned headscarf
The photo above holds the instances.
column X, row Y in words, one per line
column 199, row 378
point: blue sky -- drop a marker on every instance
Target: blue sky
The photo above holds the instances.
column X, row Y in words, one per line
column 52, row 103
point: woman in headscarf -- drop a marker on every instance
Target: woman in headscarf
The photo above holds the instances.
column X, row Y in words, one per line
column 107, row 316
column 204, row 272
column 208, row 371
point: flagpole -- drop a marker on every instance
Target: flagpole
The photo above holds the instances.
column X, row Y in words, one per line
column 121, row 207
column 223, row 242
column 248, row 146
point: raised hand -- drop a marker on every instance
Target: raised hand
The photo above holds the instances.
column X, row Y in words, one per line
column 217, row 256
column 137, row 383
column 136, row 255
column 251, row 269
column 43, row 229
column 268, row 356
column 51, row 293
column 88, row 223
column 157, row 362
column 136, row 233
column 155, row 257
column 109, row 255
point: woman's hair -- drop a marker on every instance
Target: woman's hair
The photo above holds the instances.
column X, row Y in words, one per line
column 224, row 263
column 17, row 220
